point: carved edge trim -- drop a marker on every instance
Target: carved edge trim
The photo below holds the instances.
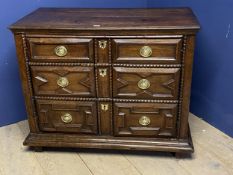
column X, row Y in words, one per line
column 106, row 99
column 96, row 87
column 181, row 85
column 111, row 85
column 29, row 79
column 59, row 64
column 104, row 64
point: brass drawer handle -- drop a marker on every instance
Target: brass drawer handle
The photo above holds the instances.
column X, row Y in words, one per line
column 144, row 121
column 144, row 84
column 66, row 118
column 104, row 107
column 102, row 44
column 62, row 82
column 146, row 51
column 103, row 72
column 60, row 51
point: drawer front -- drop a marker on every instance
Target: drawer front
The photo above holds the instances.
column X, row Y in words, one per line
column 59, row 80
column 67, row 116
column 147, row 50
column 145, row 119
column 160, row 83
column 61, row 49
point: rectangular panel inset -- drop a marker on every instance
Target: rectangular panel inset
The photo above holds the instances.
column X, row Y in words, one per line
column 61, row 49
column 67, row 116
column 160, row 83
column 145, row 119
column 147, row 50
column 63, row 80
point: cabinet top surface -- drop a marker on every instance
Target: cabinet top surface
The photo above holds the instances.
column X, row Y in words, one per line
column 108, row 19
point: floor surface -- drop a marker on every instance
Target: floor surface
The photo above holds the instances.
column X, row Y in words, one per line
column 213, row 156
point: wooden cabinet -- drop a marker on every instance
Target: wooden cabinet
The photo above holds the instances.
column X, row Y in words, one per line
column 104, row 78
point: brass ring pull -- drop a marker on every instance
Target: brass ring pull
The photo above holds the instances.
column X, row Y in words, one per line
column 144, row 84
column 144, row 121
column 62, row 82
column 66, row 118
column 60, row 51
column 146, row 51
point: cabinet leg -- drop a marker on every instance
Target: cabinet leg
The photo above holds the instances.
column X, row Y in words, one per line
column 38, row 148
column 182, row 155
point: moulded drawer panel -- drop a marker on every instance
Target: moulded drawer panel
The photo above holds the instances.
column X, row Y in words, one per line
column 147, row 51
column 142, row 83
column 63, row 80
column 61, row 49
column 145, row 119
column 67, row 116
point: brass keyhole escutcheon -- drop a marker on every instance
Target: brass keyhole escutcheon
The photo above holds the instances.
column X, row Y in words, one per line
column 103, row 72
column 144, row 84
column 144, row 121
column 104, row 107
column 62, row 82
column 66, row 118
column 60, row 51
column 102, row 44
column 146, row 51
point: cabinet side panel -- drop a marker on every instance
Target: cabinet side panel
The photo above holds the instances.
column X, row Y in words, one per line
column 25, row 80
column 187, row 79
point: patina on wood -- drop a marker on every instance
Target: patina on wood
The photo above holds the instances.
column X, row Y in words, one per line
column 107, row 78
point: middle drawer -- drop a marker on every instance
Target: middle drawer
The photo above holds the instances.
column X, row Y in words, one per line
column 143, row 83
column 63, row 80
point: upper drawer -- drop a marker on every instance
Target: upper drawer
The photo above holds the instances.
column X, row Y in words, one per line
column 66, row 80
column 61, row 49
column 147, row 50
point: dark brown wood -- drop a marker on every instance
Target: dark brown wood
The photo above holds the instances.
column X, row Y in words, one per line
column 38, row 149
column 95, row 95
column 78, row 49
column 84, row 117
column 162, row 119
column 81, row 80
column 106, row 19
column 164, row 82
column 164, row 50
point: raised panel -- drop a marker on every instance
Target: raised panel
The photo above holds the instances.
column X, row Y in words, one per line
column 83, row 114
column 78, row 49
column 163, row 83
column 162, row 119
column 79, row 81
column 162, row 50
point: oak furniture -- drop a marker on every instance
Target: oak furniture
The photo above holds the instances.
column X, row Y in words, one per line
column 107, row 78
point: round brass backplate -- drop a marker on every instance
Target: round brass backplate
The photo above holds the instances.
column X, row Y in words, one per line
column 66, row 118
column 144, row 84
column 62, row 82
column 146, row 51
column 144, row 121
column 60, row 51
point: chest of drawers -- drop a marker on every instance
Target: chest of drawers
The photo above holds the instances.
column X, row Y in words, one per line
column 107, row 78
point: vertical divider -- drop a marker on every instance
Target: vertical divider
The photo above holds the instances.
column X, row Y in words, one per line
column 103, row 82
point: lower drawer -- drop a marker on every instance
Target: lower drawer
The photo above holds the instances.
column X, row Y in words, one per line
column 67, row 116
column 145, row 119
